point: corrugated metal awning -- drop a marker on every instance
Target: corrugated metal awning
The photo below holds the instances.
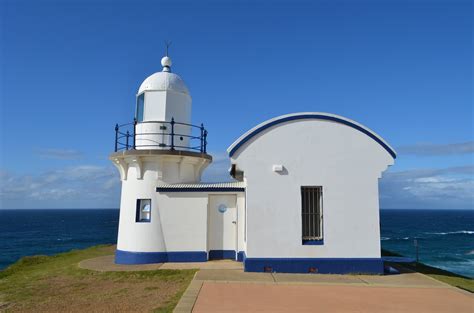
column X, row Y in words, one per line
column 207, row 187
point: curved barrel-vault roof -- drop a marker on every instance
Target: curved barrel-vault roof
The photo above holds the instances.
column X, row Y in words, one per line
column 303, row 116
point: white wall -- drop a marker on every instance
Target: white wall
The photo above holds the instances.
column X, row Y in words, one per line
column 155, row 106
column 346, row 162
column 184, row 220
column 179, row 221
column 173, row 219
column 241, row 220
column 133, row 236
column 163, row 106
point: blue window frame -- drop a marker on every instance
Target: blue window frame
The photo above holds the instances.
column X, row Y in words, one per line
column 140, row 107
column 143, row 211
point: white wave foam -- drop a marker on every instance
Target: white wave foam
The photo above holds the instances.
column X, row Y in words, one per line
column 468, row 232
column 396, row 238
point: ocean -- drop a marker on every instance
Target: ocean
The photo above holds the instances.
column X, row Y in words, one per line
column 31, row 232
column 445, row 237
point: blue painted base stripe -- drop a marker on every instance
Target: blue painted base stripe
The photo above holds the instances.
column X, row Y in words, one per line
column 279, row 265
column 127, row 257
column 313, row 242
column 316, row 265
column 221, row 254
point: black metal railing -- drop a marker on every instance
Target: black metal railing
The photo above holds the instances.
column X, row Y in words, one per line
column 127, row 137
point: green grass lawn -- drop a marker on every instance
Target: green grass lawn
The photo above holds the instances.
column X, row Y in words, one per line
column 56, row 283
column 447, row 277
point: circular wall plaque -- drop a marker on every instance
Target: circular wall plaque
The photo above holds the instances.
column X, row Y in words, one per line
column 222, row 208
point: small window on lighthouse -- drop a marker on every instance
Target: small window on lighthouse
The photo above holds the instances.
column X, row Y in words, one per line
column 143, row 210
column 140, row 107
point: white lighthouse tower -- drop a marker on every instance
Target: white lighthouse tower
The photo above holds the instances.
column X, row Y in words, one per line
column 160, row 146
column 304, row 198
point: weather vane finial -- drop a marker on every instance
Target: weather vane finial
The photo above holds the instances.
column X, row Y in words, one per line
column 167, row 44
column 166, row 60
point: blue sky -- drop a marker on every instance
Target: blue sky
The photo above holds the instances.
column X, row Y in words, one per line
column 70, row 71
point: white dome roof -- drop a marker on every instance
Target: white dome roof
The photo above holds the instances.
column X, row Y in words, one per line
column 164, row 81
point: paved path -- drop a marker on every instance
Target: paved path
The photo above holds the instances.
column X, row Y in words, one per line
column 399, row 280
column 223, row 286
column 218, row 290
column 107, row 264
column 251, row 297
column 215, row 264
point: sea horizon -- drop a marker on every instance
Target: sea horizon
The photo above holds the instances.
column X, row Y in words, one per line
column 381, row 209
column 445, row 236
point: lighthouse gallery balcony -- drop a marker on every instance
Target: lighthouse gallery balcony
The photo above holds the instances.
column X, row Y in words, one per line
column 161, row 135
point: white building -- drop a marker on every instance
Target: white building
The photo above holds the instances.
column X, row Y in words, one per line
column 305, row 197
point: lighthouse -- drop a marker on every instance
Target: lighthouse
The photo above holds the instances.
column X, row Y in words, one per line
column 304, row 198
column 159, row 146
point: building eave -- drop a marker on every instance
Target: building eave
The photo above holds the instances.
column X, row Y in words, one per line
column 240, row 142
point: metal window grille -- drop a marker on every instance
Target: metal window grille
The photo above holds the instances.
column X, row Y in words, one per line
column 312, row 212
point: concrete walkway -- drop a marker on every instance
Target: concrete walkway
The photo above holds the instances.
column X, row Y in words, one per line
column 214, row 265
column 248, row 297
column 218, row 290
column 223, row 286
column 399, row 280
column 107, row 264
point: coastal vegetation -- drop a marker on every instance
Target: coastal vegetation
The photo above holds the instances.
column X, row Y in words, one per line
column 56, row 283
column 447, row 277
column 452, row 279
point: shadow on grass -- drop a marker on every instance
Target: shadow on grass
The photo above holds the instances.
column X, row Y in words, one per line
column 423, row 268
column 453, row 279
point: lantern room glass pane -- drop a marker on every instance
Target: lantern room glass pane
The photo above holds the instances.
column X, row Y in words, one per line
column 140, row 107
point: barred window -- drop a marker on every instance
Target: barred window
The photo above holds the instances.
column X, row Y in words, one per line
column 312, row 213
